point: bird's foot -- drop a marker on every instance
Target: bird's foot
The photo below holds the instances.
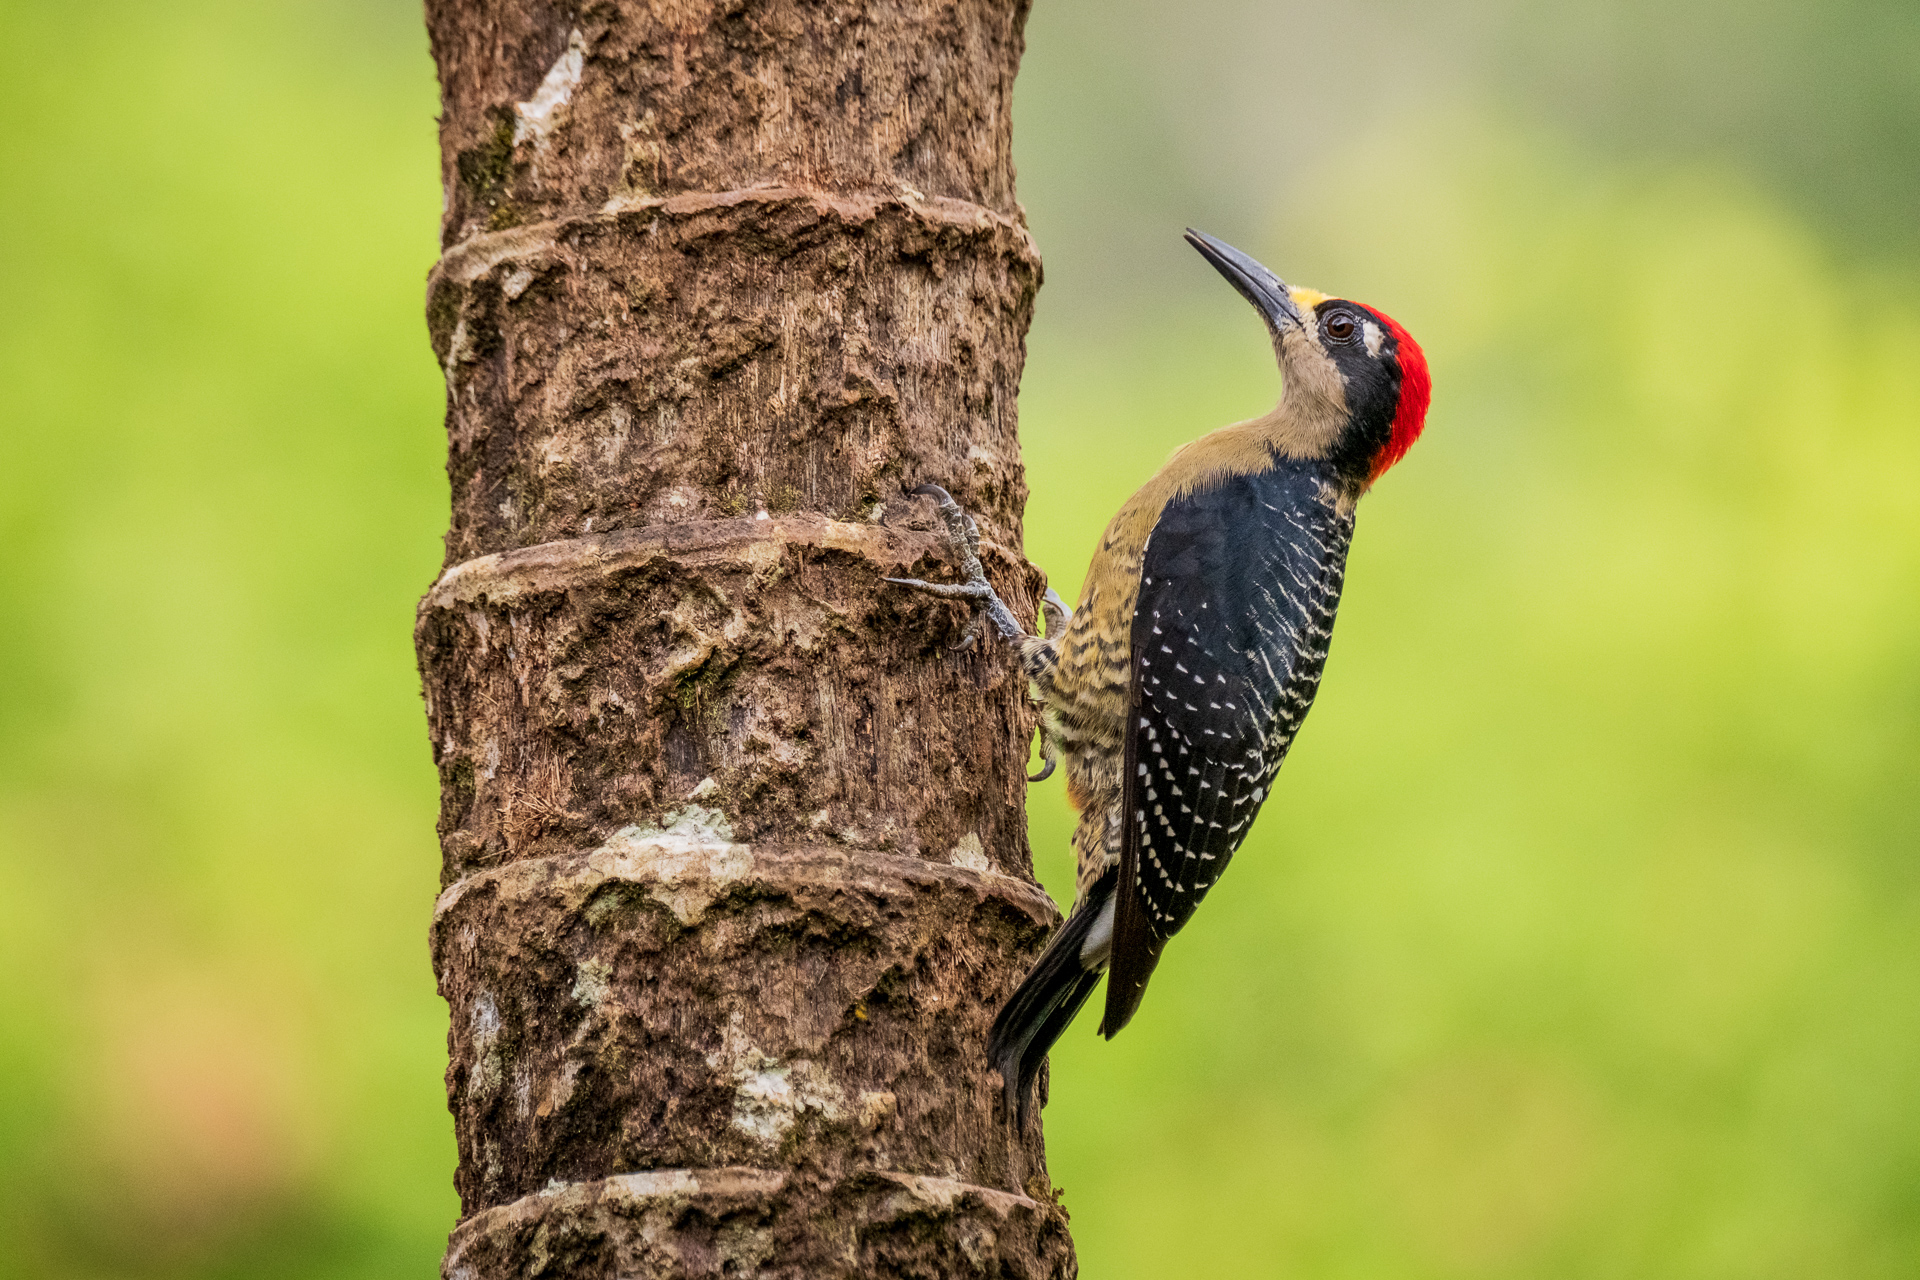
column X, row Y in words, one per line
column 963, row 541
column 1057, row 615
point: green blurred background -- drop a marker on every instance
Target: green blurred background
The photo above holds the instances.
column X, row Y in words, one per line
column 1582, row 936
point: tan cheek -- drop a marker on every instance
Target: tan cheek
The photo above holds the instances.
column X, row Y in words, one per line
column 1313, row 407
column 1313, row 375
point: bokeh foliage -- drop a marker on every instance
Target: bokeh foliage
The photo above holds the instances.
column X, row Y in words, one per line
column 1582, row 936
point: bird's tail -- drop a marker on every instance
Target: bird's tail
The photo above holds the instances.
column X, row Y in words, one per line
column 1038, row 1011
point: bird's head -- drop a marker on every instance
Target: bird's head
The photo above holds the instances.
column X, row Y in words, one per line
column 1356, row 382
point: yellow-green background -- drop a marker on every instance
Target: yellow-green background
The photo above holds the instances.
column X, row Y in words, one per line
column 1582, row 935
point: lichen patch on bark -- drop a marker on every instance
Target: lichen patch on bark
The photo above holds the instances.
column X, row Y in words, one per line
column 539, row 115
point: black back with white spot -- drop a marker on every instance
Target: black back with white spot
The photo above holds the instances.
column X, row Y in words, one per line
column 1238, row 590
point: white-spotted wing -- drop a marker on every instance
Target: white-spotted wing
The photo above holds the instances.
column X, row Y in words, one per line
column 1238, row 591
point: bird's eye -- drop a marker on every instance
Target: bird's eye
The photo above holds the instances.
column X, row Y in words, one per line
column 1340, row 327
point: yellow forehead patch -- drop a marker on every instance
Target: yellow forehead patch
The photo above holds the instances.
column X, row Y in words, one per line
column 1307, row 299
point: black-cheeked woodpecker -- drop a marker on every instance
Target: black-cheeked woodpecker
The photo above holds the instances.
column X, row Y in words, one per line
column 1176, row 687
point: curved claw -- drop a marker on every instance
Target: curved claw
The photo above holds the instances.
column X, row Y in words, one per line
column 976, row 626
column 1049, row 753
column 1055, row 611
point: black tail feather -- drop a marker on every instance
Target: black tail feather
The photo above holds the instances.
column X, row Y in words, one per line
column 1135, row 953
column 1040, row 1009
column 1051, row 1030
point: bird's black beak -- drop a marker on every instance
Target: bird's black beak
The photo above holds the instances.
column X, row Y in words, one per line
column 1256, row 284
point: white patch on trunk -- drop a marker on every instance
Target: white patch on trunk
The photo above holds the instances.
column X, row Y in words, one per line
column 590, row 982
column 488, row 1069
column 691, row 857
column 768, row 1094
column 515, row 284
column 545, row 111
column 970, row 854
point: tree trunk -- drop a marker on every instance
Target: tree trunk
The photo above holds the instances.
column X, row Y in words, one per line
column 735, row 855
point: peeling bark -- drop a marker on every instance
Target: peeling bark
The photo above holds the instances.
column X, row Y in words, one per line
column 735, row 861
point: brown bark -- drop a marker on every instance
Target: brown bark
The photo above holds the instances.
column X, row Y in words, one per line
column 735, row 855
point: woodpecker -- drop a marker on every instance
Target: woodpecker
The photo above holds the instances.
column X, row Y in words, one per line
column 1175, row 688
